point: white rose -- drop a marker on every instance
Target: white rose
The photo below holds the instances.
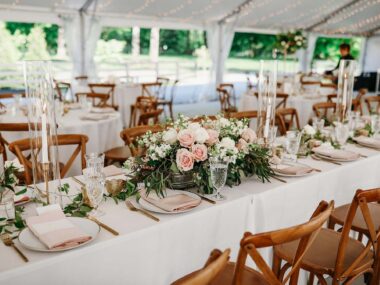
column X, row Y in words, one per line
column 227, row 143
column 201, row 135
column 309, row 130
column 194, row 126
column 170, row 136
column 224, row 122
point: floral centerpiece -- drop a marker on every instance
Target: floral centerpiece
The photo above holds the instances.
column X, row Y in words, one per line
column 184, row 147
column 291, row 41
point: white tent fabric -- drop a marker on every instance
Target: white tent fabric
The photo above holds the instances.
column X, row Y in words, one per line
column 73, row 41
column 93, row 29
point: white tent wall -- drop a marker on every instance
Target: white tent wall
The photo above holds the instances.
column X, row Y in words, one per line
column 372, row 55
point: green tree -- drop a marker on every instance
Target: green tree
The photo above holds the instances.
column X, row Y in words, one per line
column 144, row 41
column 252, row 45
column 9, row 52
column 328, row 48
column 37, row 48
column 119, row 34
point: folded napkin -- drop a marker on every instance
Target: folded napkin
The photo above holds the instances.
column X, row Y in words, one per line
column 173, row 203
column 336, row 153
column 292, row 169
column 54, row 230
column 102, row 110
column 375, row 143
column 94, row 117
column 112, row 170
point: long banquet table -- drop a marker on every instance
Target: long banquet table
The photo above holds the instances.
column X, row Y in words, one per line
column 147, row 252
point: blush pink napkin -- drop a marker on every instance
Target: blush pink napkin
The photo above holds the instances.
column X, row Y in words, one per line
column 375, row 143
column 55, row 231
column 173, row 203
column 336, row 153
column 112, row 170
column 293, row 170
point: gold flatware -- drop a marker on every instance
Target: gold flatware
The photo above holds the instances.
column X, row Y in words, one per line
column 131, row 207
column 104, row 226
column 207, row 199
column 323, row 159
column 7, row 240
column 279, row 179
column 78, row 181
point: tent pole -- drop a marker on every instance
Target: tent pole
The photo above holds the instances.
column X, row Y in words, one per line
column 82, row 43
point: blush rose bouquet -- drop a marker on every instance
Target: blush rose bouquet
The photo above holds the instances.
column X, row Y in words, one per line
column 185, row 146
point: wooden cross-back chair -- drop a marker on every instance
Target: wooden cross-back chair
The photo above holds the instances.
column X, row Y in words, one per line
column 357, row 102
column 10, row 127
column 244, row 115
column 142, row 105
column 205, row 276
column 324, row 109
column 336, row 254
column 130, row 136
column 21, row 147
column 151, row 89
column 332, row 98
column 164, row 84
column 373, row 104
column 225, row 101
column 230, row 88
column 286, row 119
column 10, row 95
column 106, row 89
column 199, row 119
column 98, row 100
column 281, row 100
column 240, row 274
column 61, row 88
column 82, row 79
column 168, row 102
column 147, row 118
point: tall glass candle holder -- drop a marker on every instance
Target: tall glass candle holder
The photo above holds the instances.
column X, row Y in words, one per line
column 267, row 87
column 42, row 130
column 345, row 89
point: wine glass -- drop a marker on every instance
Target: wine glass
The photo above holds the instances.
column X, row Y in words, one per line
column 318, row 124
column 218, row 170
column 292, row 144
column 342, row 133
column 95, row 181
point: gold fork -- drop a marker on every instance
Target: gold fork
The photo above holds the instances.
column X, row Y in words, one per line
column 134, row 209
column 7, row 240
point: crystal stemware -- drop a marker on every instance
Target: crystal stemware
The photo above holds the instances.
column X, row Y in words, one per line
column 95, row 181
column 292, row 144
column 218, row 170
column 342, row 133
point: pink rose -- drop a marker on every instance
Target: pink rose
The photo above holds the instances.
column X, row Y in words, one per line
column 186, row 138
column 213, row 137
column 184, row 159
column 249, row 135
column 242, row 145
column 199, row 152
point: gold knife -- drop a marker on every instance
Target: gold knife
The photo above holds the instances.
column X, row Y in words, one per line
column 78, row 181
column 104, row 226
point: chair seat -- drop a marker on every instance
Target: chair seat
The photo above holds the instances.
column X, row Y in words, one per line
column 321, row 256
column 250, row 277
column 358, row 224
column 163, row 102
column 119, row 154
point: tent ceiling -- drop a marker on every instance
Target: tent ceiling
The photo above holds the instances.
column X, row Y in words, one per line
column 322, row 16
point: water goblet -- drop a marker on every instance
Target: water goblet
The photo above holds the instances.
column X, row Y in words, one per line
column 342, row 133
column 292, row 144
column 318, row 124
column 218, row 171
column 82, row 99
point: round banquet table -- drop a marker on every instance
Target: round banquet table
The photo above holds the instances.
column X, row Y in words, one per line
column 103, row 134
column 125, row 95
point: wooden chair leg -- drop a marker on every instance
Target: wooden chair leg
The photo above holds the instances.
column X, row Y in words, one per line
column 171, row 111
column 276, row 266
column 311, row 279
column 331, row 224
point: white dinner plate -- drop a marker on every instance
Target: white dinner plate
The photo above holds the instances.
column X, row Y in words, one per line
column 28, row 240
column 367, row 145
column 335, row 159
column 292, row 164
column 149, row 207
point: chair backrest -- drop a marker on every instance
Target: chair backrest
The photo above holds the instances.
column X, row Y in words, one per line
column 173, row 90
column 359, row 203
column 281, row 99
column 215, row 264
column 329, row 85
column 104, row 89
column 142, row 105
column 286, row 119
column 10, row 127
column 151, row 89
column 373, row 104
column 130, row 136
column 199, row 119
column 61, row 88
column 20, row 147
column 332, row 97
column 225, row 100
column 9, row 95
column 306, row 233
column 324, row 108
column 243, row 115
column 164, row 84
column 98, row 100
column 149, row 117
column 82, row 79
column 357, row 102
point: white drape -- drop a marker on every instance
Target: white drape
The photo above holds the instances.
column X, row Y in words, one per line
column 72, row 34
column 93, row 29
column 219, row 41
column 305, row 56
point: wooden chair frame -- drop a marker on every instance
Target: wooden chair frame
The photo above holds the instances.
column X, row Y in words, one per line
column 145, row 117
column 224, row 99
column 284, row 122
column 321, row 109
column 10, row 127
column 142, row 105
column 18, row 147
column 305, row 232
column 130, row 135
column 281, row 99
column 147, row 92
column 370, row 100
column 243, row 115
column 59, row 85
column 111, row 93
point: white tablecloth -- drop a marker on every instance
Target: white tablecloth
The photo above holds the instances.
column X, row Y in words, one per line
column 147, row 252
column 103, row 135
